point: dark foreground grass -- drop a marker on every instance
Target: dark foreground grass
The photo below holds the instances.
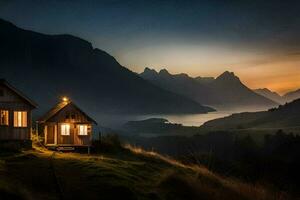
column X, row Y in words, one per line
column 130, row 174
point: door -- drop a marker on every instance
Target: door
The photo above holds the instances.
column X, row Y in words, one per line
column 50, row 134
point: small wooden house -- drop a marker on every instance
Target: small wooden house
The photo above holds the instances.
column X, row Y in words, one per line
column 15, row 113
column 66, row 125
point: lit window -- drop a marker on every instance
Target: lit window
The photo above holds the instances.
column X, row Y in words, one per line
column 83, row 130
column 20, row 119
column 65, row 129
column 4, row 117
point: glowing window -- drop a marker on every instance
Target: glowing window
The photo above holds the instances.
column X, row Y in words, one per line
column 65, row 129
column 83, row 130
column 20, row 119
column 4, row 116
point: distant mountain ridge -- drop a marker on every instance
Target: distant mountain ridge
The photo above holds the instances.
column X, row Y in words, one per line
column 224, row 91
column 288, row 97
column 47, row 67
column 269, row 94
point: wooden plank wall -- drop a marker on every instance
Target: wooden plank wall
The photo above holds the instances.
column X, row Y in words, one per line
column 78, row 118
column 72, row 139
column 12, row 102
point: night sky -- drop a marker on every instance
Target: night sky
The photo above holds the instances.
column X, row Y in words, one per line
column 258, row 40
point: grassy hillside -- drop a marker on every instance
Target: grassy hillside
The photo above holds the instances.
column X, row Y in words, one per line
column 284, row 117
column 129, row 174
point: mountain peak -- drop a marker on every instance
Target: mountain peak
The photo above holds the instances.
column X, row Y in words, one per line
column 164, row 72
column 228, row 76
column 148, row 72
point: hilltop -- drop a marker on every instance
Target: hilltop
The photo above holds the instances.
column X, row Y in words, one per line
column 282, row 117
column 128, row 174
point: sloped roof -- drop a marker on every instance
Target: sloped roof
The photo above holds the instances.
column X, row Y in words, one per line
column 19, row 93
column 58, row 107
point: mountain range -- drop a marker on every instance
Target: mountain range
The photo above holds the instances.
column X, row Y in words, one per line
column 225, row 91
column 47, row 67
column 288, row 97
column 285, row 116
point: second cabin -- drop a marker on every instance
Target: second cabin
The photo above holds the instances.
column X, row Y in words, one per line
column 66, row 125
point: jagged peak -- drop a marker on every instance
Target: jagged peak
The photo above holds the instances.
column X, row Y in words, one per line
column 148, row 72
column 164, row 72
column 148, row 69
column 228, row 73
column 228, row 76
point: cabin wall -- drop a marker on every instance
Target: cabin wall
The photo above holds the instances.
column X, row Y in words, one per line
column 83, row 139
column 72, row 116
column 53, row 137
column 11, row 102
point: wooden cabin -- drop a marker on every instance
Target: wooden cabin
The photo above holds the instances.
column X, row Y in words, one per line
column 66, row 125
column 15, row 113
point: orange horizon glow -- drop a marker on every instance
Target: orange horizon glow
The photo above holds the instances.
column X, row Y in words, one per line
column 276, row 71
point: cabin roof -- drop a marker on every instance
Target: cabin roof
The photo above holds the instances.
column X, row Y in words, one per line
column 58, row 107
column 19, row 93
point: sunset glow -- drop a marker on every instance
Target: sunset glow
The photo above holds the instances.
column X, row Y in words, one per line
column 200, row 38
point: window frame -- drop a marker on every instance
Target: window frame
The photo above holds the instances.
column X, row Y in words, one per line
column 85, row 129
column 7, row 117
column 66, row 131
column 19, row 119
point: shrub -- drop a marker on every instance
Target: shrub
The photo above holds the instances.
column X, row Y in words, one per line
column 108, row 143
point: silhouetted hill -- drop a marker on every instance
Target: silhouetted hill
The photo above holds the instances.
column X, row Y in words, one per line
column 286, row 116
column 270, row 95
column 47, row 67
column 225, row 91
column 290, row 96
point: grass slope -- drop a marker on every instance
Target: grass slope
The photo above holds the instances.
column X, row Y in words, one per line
column 130, row 174
column 285, row 117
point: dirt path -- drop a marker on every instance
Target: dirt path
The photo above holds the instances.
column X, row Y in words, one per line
column 58, row 187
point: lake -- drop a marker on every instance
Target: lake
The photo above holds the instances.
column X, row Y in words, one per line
column 117, row 121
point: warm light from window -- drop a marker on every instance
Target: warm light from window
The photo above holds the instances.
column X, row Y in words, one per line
column 20, row 119
column 65, row 129
column 83, row 130
column 4, row 117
